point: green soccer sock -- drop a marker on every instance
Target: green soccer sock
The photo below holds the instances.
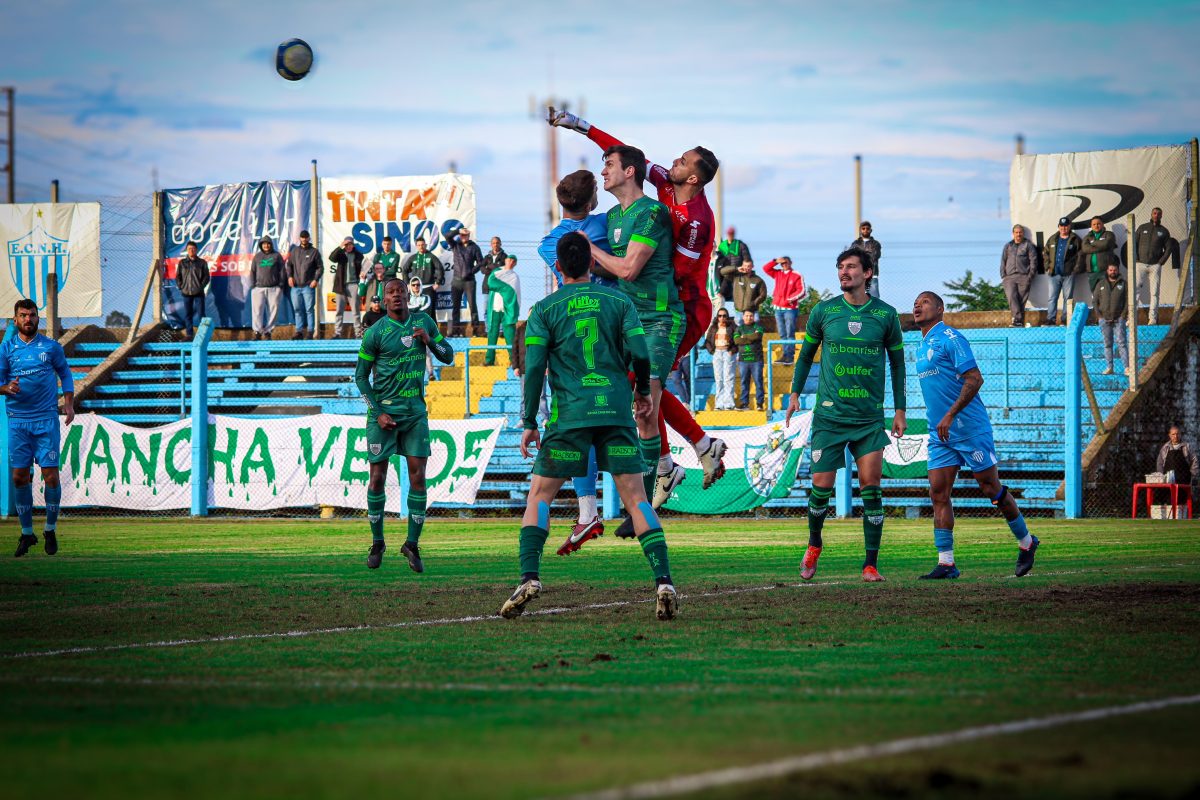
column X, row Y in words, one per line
column 818, row 507
column 416, row 515
column 654, row 545
column 650, row 448
column 533, row 539
column 375, row 504
column 872, row 497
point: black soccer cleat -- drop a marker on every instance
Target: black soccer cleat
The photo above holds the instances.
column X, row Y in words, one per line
column 941, row 572
column 1025, row 558
column 625, row 529
column 26, row 541
column 410, row 551
column 51, row 542
column 375, row 557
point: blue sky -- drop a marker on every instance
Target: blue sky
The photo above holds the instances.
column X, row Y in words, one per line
column 931, row 94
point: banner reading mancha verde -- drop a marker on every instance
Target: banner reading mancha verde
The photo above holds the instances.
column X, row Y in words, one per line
column 289, row 462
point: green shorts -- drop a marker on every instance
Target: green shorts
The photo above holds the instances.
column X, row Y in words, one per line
column 664, row 331
column 564, row 453
column 410, row 437
column 829, row 441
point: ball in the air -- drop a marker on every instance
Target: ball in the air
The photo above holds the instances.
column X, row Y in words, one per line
column 293, row 59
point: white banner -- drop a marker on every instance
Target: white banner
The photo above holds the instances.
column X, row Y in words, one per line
column 1110, row 184
column 258, row 464
column 368, row 209
column 40, row 237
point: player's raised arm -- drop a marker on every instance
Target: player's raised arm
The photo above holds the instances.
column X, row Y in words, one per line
column 656, row 174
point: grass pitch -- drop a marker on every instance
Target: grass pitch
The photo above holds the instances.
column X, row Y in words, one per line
column 465, row 704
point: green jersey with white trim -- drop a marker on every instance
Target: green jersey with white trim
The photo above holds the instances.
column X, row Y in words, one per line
column 590, row 334
column 855, row 341
column 648, row 221
column 396, row 357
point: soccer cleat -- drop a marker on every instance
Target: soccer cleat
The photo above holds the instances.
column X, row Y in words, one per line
column 1025, row 558
column 409, row 550
column 665, row 485
column 941, row 572
column 710, row 460
column 514, row 606
column 625, row 529
column 808, row 567
column 666, row 602
column 26, row 541
column 375, row 557
column 581, row 533
column 871, row 575
column 51, row 542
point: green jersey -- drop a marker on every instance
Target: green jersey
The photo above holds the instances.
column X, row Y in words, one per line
column 390, row 261
column 648, row 221
column 855, row 341
column 586, row 335
column 397, row 359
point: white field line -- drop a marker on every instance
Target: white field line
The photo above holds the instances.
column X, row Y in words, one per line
column 702, row 781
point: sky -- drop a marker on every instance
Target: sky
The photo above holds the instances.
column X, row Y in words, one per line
column 930, row 94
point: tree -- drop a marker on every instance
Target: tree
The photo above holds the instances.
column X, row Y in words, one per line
column 810, row 300
column 117, row 319
column 974, row 294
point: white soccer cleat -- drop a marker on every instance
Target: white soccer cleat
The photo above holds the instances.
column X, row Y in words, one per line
column 710, row 460
column 666, row 602
column 665, row 485
column 514, row 606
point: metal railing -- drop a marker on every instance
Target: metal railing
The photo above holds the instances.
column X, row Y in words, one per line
column 466, row 351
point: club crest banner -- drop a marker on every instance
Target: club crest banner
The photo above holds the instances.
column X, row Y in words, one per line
column 41, row 237
column 258, row 464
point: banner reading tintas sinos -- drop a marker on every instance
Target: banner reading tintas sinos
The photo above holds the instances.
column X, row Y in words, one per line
column 227, row 222
column 39, row 238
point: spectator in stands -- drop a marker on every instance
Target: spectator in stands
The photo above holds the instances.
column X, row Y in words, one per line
column 1110, row 297
column 872, row 247
column 719, row 342
column 467, row 259
column 493, row 260
column 386, row 256
column 504, row 306
column 1178, row 456
column 1018, row 265
column 789, row 292
column 191, row 277
column 1060, row 260
column 1151, row 249
column 418, row 300
column 304, row 267
column 731, row 252
column 428, row 267
column 1099, row 249
column 371, row 284
column 374, row 312
column 345, row 263
column 266, row 282
column 749, row 289
column 748, row 339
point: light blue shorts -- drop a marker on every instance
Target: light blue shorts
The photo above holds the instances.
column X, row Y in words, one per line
column 30, row 439
column 975, row 453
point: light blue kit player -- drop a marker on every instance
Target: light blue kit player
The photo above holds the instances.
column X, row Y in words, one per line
column 950, row 382
column 578, row 196
column 31, row 367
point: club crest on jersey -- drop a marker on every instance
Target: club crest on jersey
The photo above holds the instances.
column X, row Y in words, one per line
column 855, row 326
column 816, row 455
column 406, row 340
column 977, row 457
column 617, row 235
column 375, row 449
column 43, row 357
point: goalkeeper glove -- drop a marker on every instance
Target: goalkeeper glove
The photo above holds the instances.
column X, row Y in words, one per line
column 564, row 119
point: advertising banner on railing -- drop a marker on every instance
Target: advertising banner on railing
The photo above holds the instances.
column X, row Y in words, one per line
column 40, row 237
column 404, row 208
column 761, row 465
column 258, row 464
column 227, row 222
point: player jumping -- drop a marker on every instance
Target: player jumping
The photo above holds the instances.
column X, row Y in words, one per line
column 853, row 331
column 393, row 349
column 586, row 336
column 31, row 367
column 681, row 189
column 950, row 382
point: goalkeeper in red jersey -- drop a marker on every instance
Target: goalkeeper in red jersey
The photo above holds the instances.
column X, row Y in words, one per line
column 681, row 190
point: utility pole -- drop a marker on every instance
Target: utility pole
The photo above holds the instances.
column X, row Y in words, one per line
column 1020, row 142
column 858, row 217
column 10, row 142
column 52, row 280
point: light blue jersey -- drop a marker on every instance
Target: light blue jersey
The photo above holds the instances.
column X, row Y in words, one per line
column 595, row 227
column 942, row 358
column 40, row 365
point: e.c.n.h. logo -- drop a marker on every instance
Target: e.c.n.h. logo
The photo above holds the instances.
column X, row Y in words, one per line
column 30, row 258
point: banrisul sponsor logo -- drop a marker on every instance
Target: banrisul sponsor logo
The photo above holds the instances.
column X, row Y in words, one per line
column 765, row 463
column 583, row 304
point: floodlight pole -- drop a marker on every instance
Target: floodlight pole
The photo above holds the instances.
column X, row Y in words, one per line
column 1133, row 303
column 52, row 280
column 10, row 142
column 858, row 215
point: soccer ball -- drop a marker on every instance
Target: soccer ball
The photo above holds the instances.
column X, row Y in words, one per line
column 293, row 59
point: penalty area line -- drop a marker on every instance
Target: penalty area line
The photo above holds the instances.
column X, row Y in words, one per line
column 703, row 781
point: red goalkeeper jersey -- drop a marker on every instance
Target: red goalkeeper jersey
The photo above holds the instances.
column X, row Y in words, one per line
column 693, row 227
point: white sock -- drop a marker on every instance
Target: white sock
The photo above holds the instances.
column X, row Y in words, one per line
column 702, row 445
column 1026, row 542
column 946, row 557
column 665, row 464
column 587, row 508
